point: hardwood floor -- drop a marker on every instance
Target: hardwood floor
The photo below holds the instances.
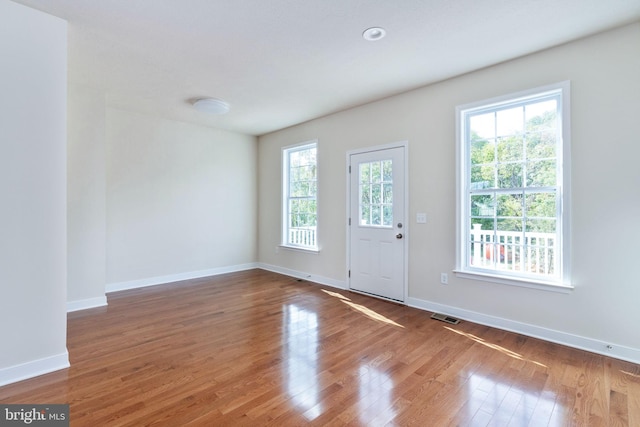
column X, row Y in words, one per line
column 256, row 348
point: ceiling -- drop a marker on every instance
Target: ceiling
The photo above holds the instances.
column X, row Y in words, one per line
column 283, row 62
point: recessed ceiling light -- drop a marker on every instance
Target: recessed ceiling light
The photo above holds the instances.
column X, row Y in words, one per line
column 374, row 33
column 211, row 105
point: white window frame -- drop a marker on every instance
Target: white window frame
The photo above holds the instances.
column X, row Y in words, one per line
column 286, row 151
column 561, row 282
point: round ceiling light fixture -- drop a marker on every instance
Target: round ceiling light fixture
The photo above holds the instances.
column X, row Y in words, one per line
column 211, row 105
column 374, row 33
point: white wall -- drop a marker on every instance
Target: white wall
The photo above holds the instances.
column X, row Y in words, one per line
column 181, row 200
column 86, row 188
column 33, row 253
column 175, row 193
column 605, row 92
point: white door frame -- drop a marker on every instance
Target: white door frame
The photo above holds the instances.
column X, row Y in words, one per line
column 406, row 233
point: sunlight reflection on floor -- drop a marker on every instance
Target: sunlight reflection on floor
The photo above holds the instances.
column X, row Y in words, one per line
column 501, row 349
column 630, row 374
column 335, row 294
column 362, row 309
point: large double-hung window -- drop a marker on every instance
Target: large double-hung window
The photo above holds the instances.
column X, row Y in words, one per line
column 513, row 182
column 300, row 188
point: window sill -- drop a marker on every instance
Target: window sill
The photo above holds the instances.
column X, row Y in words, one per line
column 513, row 281
column 300, row 249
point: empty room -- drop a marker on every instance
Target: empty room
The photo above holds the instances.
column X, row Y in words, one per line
column 287, row 213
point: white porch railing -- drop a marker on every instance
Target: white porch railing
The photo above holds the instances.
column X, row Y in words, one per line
column 532, row 253
column 303, row 236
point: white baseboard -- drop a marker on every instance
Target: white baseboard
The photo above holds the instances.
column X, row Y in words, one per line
column 340, row 284
column 34, row 368
column 159, row 280
column 85, row 304
column 583, row 343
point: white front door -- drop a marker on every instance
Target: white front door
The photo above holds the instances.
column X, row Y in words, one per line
column 378, row 228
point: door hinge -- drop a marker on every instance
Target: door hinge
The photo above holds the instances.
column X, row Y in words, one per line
column 349, row 221
column 349, row 273
column 349, row 168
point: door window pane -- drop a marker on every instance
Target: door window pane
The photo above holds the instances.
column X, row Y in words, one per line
column 376, row 193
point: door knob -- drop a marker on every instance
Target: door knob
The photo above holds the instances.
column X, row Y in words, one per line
column 399, row 236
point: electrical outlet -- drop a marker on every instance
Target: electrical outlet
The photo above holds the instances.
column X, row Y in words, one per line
column 421, row 218
column 444, row 278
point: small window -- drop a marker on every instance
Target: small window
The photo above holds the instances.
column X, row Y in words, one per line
column 300, row 188
column 513, row 163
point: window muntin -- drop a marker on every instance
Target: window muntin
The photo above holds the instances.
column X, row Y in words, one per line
column 512, row 189
column 300, row 190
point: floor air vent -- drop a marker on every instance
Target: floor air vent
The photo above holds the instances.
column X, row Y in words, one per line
column 445, row 318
